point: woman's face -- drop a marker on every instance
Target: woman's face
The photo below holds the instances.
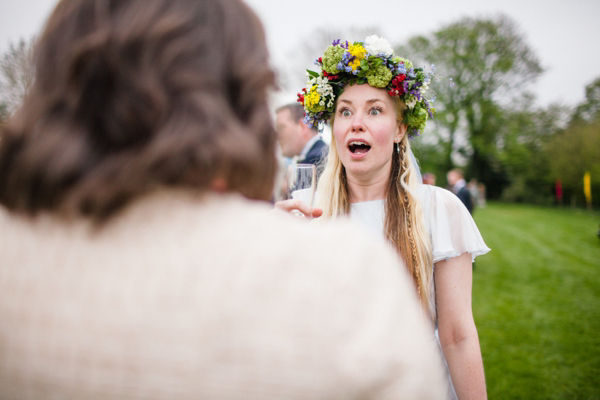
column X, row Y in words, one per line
column 365, row 129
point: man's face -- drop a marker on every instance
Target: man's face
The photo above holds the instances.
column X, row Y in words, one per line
column 289, row 133
column 452, row 178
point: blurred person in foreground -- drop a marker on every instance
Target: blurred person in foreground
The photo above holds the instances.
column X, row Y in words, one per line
column 296, row 138
column 139, row 258
column 374, row 102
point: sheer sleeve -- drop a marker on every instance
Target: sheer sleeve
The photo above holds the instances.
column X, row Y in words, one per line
column 450, row 225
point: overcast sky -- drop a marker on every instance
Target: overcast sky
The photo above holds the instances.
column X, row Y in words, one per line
column 565, row 35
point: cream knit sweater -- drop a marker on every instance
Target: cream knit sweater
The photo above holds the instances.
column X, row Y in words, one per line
column 213, row 297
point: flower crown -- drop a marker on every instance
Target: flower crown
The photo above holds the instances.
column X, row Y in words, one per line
column 370, row 62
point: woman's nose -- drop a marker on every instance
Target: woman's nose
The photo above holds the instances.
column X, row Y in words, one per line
column 357, row 124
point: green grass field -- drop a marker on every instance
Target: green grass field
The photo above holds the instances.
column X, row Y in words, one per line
column 536, row 301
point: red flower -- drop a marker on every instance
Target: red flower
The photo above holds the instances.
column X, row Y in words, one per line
column 396, row 86
column 301, row 98
column 329, row 76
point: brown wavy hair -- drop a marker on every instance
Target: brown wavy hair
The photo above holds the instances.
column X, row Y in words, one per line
column 134, row 95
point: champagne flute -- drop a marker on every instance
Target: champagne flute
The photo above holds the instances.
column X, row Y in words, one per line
column 301, row 184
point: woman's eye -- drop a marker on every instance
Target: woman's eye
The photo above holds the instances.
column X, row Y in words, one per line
column 345, row 113
column 374, row 111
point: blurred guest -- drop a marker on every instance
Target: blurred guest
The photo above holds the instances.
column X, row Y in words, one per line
column 473, row 188
column 481, row 195
column 297, row 139
column 134, row 263
column 429, row 178
column 458, row 186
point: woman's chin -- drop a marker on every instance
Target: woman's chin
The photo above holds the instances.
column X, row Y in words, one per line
column 357, row 169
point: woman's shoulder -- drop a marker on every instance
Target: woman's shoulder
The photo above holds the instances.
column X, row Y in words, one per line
column 434, row 197
column 431, row 190
column 452, row 228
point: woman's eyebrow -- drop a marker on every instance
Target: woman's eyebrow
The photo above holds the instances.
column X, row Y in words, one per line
column 370, row 101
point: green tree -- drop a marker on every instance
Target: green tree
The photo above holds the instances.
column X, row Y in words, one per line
column 521, row 146
column 488, row 62
column 571, row 154
column 589, row 110
column 430, row 156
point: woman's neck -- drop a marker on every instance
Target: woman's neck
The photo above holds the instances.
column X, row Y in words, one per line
column 372, row 188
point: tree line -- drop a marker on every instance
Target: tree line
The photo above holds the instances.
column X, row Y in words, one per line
column 486, row 121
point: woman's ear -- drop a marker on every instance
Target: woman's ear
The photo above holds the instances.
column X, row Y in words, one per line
column 400, row 132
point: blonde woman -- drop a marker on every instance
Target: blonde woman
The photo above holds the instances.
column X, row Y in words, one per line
column 374, row 103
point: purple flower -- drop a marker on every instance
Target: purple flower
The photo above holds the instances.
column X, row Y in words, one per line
column 336, row 42
column 428, row 107
column 307, row 120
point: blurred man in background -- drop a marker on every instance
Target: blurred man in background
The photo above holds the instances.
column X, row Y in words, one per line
column 458, row 186
column 298, row 140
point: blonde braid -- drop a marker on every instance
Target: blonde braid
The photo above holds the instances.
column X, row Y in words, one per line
column 407, row 210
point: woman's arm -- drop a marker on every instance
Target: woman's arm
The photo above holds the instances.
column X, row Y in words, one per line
column 456, row 327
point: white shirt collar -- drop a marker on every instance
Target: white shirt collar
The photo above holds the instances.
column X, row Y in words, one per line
column 459, row 185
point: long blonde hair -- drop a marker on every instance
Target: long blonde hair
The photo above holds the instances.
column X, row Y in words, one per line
column 404, row 225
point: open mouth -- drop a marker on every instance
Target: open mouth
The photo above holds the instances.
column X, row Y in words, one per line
column 358, row 147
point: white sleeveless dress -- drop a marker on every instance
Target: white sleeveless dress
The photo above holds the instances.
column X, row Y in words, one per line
column 450, row 226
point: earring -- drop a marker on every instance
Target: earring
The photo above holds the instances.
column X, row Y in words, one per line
column 397, row 148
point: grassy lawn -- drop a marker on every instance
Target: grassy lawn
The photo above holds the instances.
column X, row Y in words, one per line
column 536, row 300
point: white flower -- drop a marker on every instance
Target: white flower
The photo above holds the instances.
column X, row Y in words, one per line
column 376, row 45
column 324, row 89
column 410, row 103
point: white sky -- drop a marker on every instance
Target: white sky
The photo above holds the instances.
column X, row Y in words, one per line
column 564, row 35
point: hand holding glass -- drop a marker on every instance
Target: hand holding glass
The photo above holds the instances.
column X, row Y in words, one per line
column 301, row 184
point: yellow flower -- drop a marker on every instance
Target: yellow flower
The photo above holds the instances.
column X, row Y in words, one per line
column 358, row 51
column 354, row 64
column 312, row 98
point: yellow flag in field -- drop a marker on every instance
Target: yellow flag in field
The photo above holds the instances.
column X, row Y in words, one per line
column 587, row 187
